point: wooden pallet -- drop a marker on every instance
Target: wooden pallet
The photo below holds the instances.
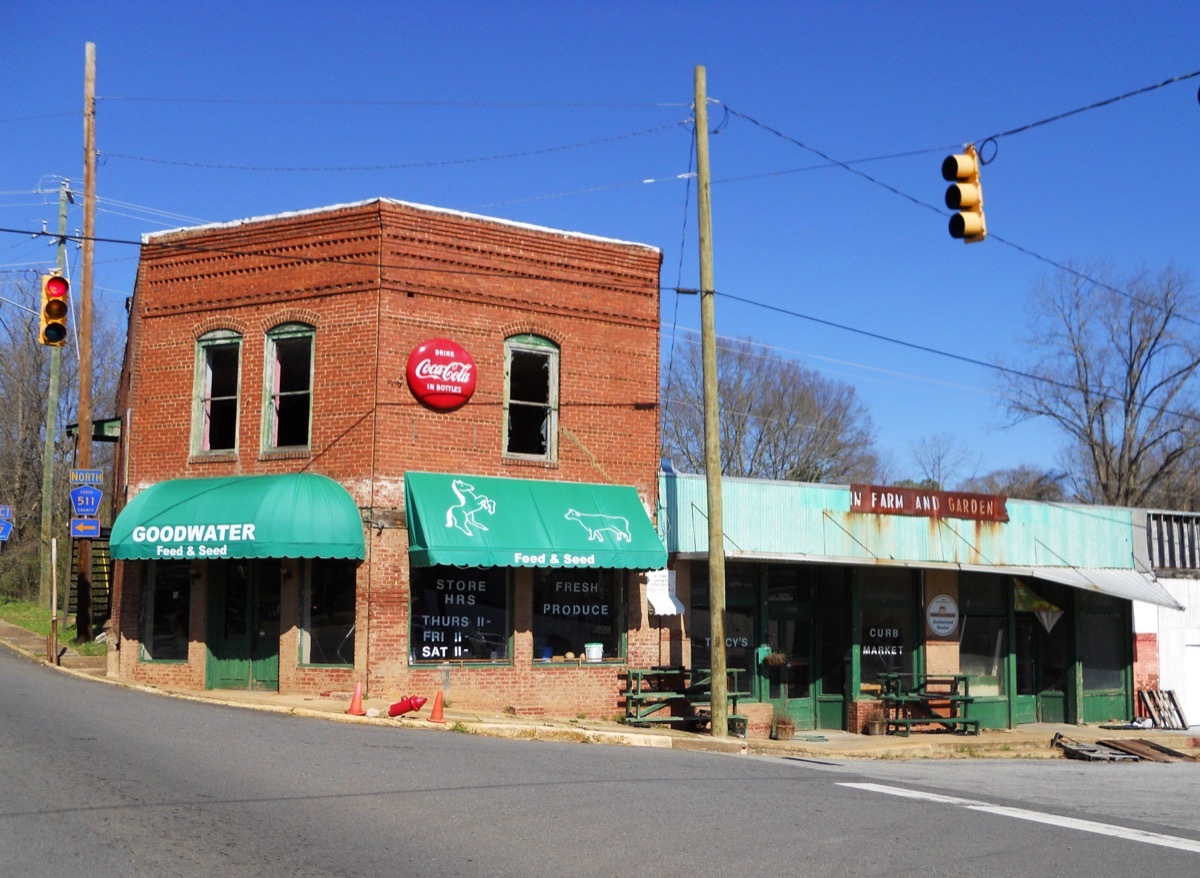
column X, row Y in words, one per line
column 1163, row 707
column 1090, row 752
column 1150, row 751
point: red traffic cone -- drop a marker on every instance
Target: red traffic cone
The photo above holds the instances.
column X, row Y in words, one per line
column 404, row 705
column 436, row 715
column 356, row 708
column 418, row 702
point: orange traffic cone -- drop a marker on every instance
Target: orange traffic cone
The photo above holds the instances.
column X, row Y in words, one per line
column 356, row 708
column 436, row 715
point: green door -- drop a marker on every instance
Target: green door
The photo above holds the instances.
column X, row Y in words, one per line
column 788, row 685
column 243, row 625
column 1027, row 663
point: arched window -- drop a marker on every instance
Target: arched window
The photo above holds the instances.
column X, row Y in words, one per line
column 215, row 400
column 531, row 397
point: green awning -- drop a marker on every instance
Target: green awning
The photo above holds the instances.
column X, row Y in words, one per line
column 297, row 515
column 476, row 521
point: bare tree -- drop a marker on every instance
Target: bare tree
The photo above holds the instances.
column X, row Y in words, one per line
column 1114, row 366
column 778, row 420
column 1026, row 482
column 941, row 458
column 24, row 385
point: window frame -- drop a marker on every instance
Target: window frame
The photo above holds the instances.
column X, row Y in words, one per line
column 202, row 396
column 451, row 616
column 346, row 572
column 282, row 334
column 536, row 345
column 154, row 573
column 559, row 625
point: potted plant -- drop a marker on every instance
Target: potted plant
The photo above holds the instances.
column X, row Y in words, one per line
column 783, row 727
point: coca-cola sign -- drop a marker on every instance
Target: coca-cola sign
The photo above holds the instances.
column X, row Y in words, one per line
column 441, row 374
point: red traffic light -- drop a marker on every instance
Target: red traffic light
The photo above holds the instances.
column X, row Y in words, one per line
column 55, row 306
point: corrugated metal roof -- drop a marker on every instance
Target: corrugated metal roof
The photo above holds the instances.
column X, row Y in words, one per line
column 1089, row 547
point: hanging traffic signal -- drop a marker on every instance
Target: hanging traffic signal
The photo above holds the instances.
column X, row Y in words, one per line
column 965, row 194
column 55, row 305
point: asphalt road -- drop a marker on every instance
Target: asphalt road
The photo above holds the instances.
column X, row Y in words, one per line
column 100, row 779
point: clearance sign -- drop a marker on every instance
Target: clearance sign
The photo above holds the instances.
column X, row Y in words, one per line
column 878, row 500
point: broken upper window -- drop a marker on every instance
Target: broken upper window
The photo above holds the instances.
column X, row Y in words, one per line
column 288, row 418
column 531, row 397
column 215, row 408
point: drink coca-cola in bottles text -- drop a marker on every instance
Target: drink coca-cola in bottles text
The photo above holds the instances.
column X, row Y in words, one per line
column 441, row 374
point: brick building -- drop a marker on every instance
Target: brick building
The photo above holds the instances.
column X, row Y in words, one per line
column 390, row 444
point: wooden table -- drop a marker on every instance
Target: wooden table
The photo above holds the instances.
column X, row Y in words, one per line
column 929, row 700
column 652, row 695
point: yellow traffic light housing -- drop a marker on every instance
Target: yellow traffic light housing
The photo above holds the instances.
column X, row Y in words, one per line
column 965, row 194
column 55, row 306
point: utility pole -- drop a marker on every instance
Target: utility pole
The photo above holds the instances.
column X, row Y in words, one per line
column 712, row 430
column 83, row 617
column 45, row 599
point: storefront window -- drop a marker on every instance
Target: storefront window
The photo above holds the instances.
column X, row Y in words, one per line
column 166, row 599
column 1102, row 633
column 460, row 614
column 573, row 607
column 327, row 612
column 886, row 636
column 740, row 610
column 983, row 632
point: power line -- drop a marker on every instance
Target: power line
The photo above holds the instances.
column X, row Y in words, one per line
column 1104, row 103
column 291, row 257
column 403, row 166
column 330, row 102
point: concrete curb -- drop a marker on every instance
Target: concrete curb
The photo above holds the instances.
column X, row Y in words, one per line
column 1024, row 743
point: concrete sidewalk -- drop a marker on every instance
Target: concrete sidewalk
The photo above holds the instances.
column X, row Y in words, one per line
column 1026, row 742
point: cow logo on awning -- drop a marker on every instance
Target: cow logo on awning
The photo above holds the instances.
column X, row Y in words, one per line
column 596, row 525
column 462, row 514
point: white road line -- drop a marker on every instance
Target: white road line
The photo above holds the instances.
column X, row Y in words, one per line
column 1106, row 829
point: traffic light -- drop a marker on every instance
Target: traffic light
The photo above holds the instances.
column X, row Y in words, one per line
column 965, row 194
column 55, row 306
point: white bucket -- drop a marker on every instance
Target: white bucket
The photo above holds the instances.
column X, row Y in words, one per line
column 594, row 652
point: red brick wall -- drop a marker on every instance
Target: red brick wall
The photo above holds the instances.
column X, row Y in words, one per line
column 375, row 280
column 1145, row 663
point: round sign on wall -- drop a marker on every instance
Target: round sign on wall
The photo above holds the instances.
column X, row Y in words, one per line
column 942, row 615
column 441, row 374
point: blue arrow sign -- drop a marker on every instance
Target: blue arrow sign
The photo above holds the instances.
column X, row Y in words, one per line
column 85, row 500
column 85, row 528
column 5, row 529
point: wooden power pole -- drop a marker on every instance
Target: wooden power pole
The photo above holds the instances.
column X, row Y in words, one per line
column 83, row 618
column 712, row 430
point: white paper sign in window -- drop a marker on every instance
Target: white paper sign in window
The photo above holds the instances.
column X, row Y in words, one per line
column 660, row 591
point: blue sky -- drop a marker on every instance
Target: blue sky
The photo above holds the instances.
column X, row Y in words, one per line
column 574, row 116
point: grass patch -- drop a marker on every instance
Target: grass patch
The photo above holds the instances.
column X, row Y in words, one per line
column 33, row 617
